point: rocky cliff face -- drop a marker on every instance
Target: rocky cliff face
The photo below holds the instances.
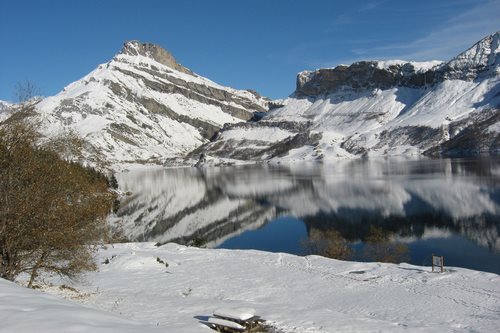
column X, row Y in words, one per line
column 365, row 75
column 480, row 61
column 144, row 107
column 374, row 108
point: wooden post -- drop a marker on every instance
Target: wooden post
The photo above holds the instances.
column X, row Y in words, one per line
column 438, row 261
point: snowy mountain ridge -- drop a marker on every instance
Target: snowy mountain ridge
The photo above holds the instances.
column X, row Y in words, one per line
column 482, row 56
column 143, row 107
column 375, row 108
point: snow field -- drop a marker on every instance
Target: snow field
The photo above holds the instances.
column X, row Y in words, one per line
column 295, row 294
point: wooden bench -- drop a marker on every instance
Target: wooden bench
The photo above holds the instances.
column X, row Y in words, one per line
column 223, row 325
column 244, row 317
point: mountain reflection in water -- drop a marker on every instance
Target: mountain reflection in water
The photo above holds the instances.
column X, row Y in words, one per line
column 389, row 210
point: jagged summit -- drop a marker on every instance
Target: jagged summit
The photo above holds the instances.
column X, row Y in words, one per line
column 482, row 57
column 153, row 51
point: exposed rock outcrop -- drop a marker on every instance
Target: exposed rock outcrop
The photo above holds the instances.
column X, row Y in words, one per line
column 155, row 52
column 363, row 75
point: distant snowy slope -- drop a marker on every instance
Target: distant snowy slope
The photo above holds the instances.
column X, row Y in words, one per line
column 4, row 110
column 142, row 106
column 4, row 105
column 379, row 108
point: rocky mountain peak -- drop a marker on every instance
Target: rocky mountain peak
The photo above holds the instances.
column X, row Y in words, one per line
column 144, row 107
column 484, row 56
column 155, row 52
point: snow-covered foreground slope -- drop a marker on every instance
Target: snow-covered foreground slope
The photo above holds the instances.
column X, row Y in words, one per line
column 144, row 107
column 295, row 294
column 24, row 311
column 379, row 108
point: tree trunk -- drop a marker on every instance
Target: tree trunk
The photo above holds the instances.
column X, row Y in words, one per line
column 6, row 269
column 34, row 271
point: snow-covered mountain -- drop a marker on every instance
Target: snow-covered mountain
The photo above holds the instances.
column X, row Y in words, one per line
column 143, row 106
column 378, row 108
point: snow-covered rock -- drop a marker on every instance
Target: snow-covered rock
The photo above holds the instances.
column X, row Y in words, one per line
column 5, row 110
column 144, row 107
column 379, row 108
column 4, row 105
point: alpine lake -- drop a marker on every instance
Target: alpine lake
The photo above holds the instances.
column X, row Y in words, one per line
column 384, row 210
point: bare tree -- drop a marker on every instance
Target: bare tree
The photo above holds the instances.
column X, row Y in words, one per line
column 27, row 95
column 26, row 91
column 52, row 212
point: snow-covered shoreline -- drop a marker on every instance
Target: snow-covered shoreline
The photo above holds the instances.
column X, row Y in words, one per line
column 135, row 291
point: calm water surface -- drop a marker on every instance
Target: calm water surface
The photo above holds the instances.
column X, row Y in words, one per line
column 391, row 210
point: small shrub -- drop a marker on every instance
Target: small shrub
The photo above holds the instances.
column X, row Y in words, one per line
column 161, row 261
column 198, row 241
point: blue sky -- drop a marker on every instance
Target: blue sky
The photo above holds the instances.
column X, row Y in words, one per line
column 260, row 44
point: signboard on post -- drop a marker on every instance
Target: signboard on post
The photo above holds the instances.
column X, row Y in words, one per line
column 437, row 262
